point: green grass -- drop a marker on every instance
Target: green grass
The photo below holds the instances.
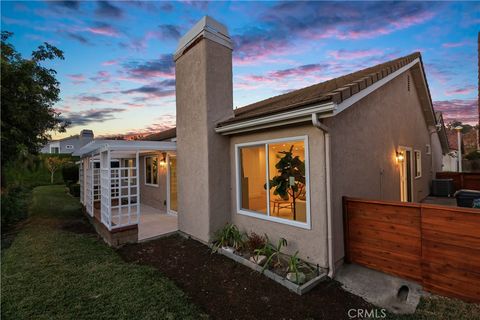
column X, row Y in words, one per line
column 48, row 273
column 436, row 307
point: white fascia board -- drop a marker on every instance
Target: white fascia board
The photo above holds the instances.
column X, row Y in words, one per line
column 363, row 93
column 289, row 117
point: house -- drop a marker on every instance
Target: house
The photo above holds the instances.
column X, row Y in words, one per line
column 69, row 144
column 371, row 134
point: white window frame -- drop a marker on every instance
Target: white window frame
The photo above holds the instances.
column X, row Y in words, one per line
column 145, row 171
column 417, row 165
column 299, row 224
column 69, row 146
column 54, row 147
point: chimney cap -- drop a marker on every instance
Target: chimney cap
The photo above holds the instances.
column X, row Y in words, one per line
column 206, row 27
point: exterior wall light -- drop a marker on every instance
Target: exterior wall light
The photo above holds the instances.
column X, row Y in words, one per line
column 400, row 157
column 163, row 162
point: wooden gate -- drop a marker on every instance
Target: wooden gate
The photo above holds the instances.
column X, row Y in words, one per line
column 436, row 246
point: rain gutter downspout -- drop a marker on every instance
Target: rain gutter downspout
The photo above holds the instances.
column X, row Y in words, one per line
column 317, row 124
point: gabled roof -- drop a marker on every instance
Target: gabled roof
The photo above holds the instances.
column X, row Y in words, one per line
column 162, row 135
column 334, row 90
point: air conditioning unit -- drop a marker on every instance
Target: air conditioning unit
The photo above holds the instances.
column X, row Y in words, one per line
column 442, row 187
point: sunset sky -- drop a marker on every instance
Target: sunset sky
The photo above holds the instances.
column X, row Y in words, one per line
column 118, row 72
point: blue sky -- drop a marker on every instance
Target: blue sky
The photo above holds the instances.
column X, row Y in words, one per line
column 118, row 72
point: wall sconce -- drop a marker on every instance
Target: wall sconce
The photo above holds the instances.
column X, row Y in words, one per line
column 163, row 162
column 400, row 157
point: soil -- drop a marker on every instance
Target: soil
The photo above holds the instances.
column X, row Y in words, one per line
column 228, row 290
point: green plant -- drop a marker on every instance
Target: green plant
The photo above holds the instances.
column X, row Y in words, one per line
column 70, row 173
column 228, row 236
column 293, row 265
column 254, row 242
column 53, row 164
column 271, row 252
column 290, row 180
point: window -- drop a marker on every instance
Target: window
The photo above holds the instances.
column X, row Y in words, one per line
column 427, row 149
column 69, row 146
column 272, row 180
column 151, row 171
column 54, row 150
column 418, row 163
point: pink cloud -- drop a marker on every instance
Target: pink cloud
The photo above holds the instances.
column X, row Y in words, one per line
column 460, row 91
column 109, row 62
column 465, row 111
column 455, row 44
column 104, row 30
column 354, row 54
column 77, row 78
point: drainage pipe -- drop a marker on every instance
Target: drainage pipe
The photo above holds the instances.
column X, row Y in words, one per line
column 316, row 123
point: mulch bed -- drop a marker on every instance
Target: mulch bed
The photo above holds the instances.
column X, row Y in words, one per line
column 228, row 290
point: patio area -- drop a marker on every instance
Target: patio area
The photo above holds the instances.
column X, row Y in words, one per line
column 155, row 223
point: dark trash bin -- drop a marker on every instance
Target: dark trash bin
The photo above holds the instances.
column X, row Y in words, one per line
column 442, row 187
column 466, row 197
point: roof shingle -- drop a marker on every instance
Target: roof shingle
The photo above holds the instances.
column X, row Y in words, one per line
column 335, row 90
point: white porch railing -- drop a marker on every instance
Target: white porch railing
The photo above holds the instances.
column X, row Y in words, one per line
column 80, row 180
column 119, row 191
column 89, row 185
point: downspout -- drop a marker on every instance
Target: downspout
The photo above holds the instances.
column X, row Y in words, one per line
column 316, row 123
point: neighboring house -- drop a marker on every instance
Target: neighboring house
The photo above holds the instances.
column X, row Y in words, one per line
column 371, row 134
column 450, row 159
column 69, row 144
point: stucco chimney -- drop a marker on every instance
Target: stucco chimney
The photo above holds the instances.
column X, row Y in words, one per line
column 203, row 70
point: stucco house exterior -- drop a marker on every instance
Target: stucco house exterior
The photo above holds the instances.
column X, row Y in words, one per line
column 69, row 144
column 371, row 134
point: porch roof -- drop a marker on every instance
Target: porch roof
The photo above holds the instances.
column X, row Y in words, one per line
column 97, row 146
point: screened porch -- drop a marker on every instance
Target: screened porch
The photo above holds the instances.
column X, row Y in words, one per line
column 111, row 182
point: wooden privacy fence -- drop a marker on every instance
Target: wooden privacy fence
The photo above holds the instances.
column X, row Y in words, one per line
column 437, row 246
column 462, row 180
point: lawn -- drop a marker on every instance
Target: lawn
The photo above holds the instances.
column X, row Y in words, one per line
column 50, row 272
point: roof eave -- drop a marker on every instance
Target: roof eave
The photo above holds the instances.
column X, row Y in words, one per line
column 278, row 119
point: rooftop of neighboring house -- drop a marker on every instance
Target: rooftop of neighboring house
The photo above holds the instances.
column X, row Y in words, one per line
column 162, row 135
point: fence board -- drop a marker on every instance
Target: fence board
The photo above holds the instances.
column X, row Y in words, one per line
column 437, row 246
column 462, row 180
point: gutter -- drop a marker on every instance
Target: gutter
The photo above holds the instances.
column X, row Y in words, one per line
column 274, row 120
column 317, row 124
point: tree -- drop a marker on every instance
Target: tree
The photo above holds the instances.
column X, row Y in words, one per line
column 53, row 164
column 290, row 180
column 29, row 92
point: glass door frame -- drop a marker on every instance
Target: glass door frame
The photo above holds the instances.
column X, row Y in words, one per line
column 169, row 210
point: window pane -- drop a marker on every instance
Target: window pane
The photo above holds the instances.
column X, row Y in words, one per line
column 253, row 179
column 155, row 170
column 173, row 183
column 286, row 171
column 148, row 170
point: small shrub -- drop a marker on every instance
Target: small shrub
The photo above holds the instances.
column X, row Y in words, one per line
column 74, row 190
column 14, row 206
column 272, row 252
column 229, row 236
column 70, row 174
column 254, row 242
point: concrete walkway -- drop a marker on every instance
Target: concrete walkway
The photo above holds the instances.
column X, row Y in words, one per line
column 385, row 291
column 155, row 223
